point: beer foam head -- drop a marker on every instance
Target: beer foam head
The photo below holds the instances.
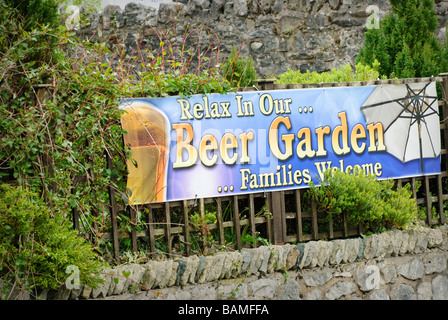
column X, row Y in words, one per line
column 146, row 124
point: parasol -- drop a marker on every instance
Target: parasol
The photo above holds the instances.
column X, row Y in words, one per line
column 410, row 118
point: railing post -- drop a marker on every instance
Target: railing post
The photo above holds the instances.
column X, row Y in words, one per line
column 113, row 214
column 445, row 110
column 445, row 136
column 278, row 217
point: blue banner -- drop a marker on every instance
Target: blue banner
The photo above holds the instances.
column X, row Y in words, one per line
column 215, row 145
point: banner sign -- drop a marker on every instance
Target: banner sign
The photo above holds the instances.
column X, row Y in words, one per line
column 216, row 145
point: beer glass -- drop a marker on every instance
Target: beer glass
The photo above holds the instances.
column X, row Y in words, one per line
column 148, row 134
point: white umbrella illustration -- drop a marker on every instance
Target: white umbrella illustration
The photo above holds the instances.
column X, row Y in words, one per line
column 410, row 118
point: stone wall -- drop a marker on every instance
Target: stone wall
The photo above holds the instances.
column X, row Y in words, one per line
column 395, row 265
column 279, row 34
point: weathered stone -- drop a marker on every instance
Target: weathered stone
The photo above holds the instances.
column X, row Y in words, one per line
column 165, row 273
column 403, row 292
column 388, row 272
column 360, row 249
column 316, row 278
column 134, row 276
column 119, row 280
column 412, row 270
column 200, row 269
column 159, row 274
column 396, row 241
column 419, row 276
column 387, row 248
column 253, row 258
column 440, row 288
column 103, row 288
column 368, row 278
column 213, row 267
column 264, row 288
column 323, row 252
column 435, row 237
column 444, row 232
column 149, row 277
column 86, row 292
column 226, row 265
column 343, row 288
column 351, row 250
column 204, row 291
column 180, row 270
column 435, row 263
column 379, row 295
column 291, row 260
column 422, row 241
column 237, row 261
column 240, row 8
column 404, row 246
column 337, row 252
column 315, row 294
column 301, row 249
column 232, row 290
column 305, row 259
column 370, row 247
column 277, row 259
column 424, row 291
column 310, row 251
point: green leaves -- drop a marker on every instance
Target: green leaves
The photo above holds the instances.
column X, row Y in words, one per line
column 343, row 74
column 375, row 204
column 405, row 44
column 36, row 247
column 239, row 71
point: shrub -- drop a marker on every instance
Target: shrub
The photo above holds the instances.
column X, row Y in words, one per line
column 239, row 71
column 405, row 44
column 59, row 112
column 36, row 247
column 364, row 199
column 343, row 74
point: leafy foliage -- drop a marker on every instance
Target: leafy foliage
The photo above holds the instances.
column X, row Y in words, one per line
column 405, row 44
column 59, row 113
column 37, row 246
column 375, row 204
column 239, row 71
column 343, row 74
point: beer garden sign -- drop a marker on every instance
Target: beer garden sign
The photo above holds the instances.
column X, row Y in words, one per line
column 215, row 145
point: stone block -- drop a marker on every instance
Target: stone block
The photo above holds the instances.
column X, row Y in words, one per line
column 290, row 291
column 264, row 288
column 403, row 292
column 314, row 278
column 337, row 252
column 435, row 263
column 440, row 288
column 424, row 291
column 411, row 270
column 340, row 289
column 103, row 288
column 291, row 260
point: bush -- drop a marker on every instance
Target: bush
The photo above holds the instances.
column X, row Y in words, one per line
column 343, row 74
column 239, row 71
column 36, row 248
column 373, row 203
column 405, row 44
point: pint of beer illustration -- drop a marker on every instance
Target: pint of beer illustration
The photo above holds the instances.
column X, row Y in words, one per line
column 148, row 134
